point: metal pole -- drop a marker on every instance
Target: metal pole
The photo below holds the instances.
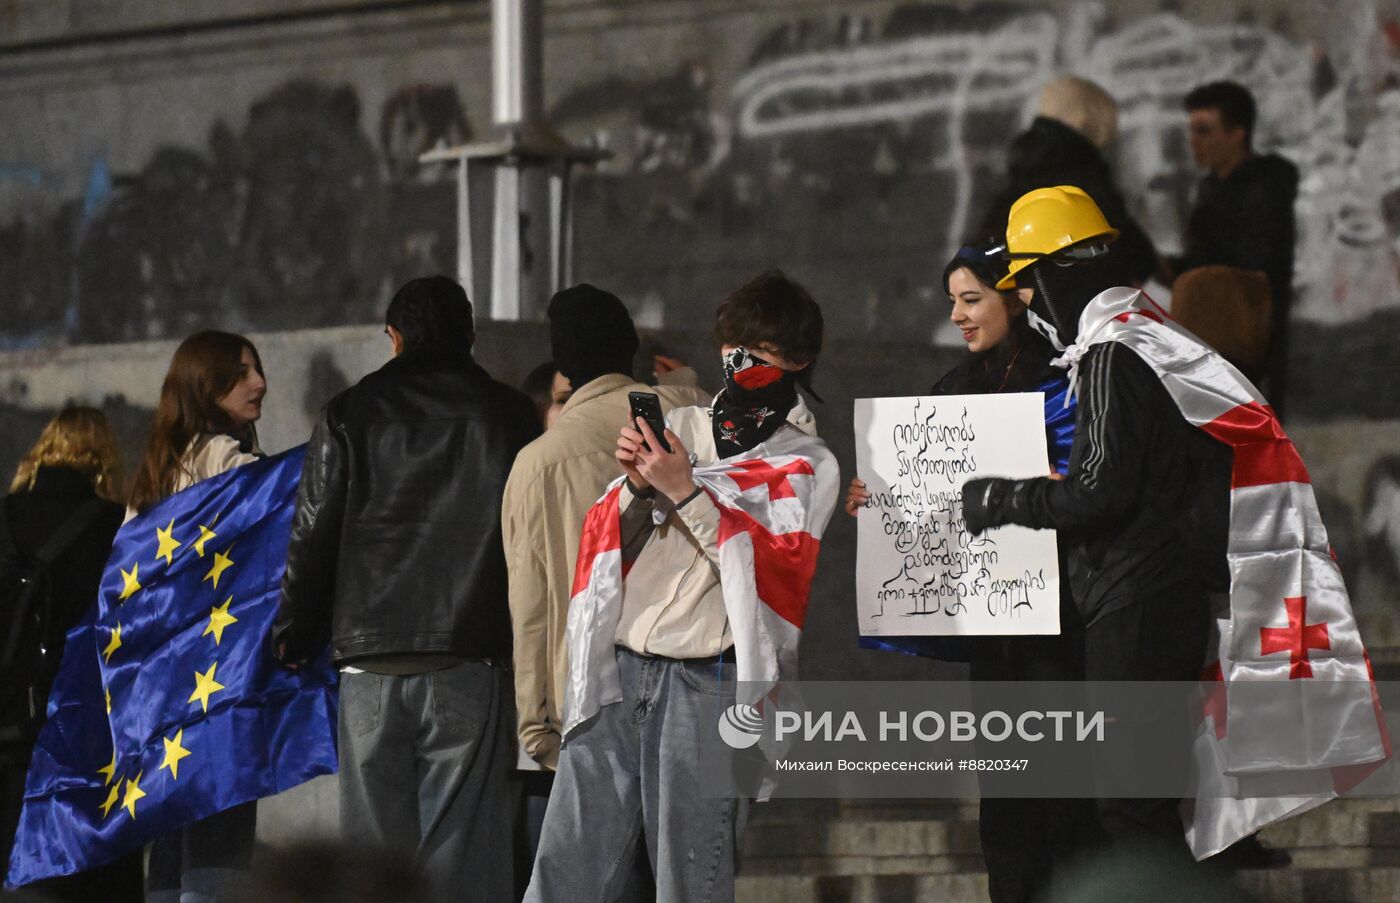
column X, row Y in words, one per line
column 556, row 219
column 465, row 274
column 565, row 227
column 517, row 63
column 505, row 257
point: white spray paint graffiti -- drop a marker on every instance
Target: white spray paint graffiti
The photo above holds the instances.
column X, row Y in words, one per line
column 1346, row 141
column 896, row 81
column 945, row 76
column 1382, row 516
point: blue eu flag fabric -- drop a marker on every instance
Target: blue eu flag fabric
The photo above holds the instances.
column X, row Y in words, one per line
column 168, row 706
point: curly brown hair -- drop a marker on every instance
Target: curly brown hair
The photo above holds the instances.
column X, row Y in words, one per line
column 81, row 439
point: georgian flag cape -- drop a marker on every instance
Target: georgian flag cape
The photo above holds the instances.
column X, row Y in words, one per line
column 774, row 502
column 1290, row 620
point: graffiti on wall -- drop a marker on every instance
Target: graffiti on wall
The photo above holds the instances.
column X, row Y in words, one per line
column 854, row 149
column 834, row 110
column 298, row 220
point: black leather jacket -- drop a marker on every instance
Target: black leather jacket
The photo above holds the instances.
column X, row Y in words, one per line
column 1144, row 509
column 396, row 543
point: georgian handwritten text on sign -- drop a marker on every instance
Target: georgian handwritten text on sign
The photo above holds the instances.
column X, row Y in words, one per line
column 918, row 570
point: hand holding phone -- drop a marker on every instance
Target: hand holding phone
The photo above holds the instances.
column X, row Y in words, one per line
column 647, row 406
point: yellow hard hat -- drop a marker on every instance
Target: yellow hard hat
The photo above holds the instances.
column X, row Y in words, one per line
column 1048, row 220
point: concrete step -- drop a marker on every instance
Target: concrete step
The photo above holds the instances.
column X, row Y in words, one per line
column 890, row 851
column 851, row 838
column 864, row 865
column 1315, row 885
column 952, row 888
column 1339, row 823
column 1338, row 885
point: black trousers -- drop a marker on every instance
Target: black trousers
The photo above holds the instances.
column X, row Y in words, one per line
column 1159, row 638
column 1025, row 842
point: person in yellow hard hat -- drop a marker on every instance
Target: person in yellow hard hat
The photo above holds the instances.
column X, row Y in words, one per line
column 1138, row 541
column 1063, row 230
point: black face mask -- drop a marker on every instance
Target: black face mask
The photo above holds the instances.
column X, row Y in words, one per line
column 756, row 400
column 1062, row 293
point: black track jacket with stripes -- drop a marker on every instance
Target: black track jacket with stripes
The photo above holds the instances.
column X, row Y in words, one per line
column 1143, row 511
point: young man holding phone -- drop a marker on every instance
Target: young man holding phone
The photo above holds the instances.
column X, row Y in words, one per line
column 652, row 651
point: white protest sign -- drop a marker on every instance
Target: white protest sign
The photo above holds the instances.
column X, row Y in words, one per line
column 918, row 570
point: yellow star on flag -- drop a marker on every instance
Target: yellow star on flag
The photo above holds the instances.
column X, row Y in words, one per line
column 110, row 771
column 205, row 686
column 111, row 799
column 205, row 534
column 113, row 644
column 174, row 752
column 219, row 618
column 129, row 584
column 108, row 693
column 133, row 793
column 167, row 543
column 221, row 563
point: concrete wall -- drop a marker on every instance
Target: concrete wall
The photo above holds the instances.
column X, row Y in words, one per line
column 250, row 164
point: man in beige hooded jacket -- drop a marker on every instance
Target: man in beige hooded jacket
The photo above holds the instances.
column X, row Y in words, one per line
column 554, row 482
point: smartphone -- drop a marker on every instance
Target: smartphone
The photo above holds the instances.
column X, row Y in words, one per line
column 647, row 405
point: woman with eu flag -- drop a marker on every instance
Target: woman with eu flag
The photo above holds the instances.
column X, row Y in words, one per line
column 1023, row 840
column 203, row 426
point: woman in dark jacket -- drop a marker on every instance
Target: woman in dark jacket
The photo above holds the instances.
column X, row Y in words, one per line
column 1023, row 840
column 71, row 476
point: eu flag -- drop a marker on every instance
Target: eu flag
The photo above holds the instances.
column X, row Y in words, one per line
column 169, row 706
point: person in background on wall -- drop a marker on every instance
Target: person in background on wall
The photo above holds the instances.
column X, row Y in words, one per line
column 628, row 779
column 1142, row 512
column 554, row 482
column 58, row 522
column 204, row 425
column 1024, row 841
column 395, row 559
column 1243, row 218
column 1076, row 122
column 1243, row 212
column 548, row 389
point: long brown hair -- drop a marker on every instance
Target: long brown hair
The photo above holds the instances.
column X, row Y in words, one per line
column 80, row 439
column 205, row 368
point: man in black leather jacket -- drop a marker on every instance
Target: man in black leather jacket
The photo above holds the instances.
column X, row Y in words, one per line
column 396, row 559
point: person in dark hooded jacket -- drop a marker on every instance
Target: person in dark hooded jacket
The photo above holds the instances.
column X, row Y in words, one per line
column 1243, row 213
column 1131, row 508
column 1076, row 121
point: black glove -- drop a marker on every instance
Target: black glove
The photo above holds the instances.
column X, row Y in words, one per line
column 984, row 503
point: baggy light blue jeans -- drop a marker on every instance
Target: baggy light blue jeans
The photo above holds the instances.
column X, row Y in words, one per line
column 632, row 777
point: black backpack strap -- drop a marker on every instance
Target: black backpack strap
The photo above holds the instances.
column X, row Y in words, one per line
column 7, row 542
column 62, row 538
column 68, row 532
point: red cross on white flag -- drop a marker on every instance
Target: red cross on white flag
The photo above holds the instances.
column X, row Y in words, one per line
column 1295, row 639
